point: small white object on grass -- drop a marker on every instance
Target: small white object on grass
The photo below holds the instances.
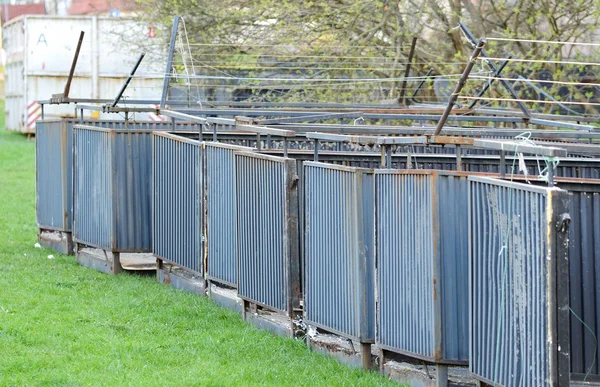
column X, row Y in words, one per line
column 37, row 246
column 51, row 257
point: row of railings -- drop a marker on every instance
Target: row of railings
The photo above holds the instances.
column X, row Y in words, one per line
column 450, row 267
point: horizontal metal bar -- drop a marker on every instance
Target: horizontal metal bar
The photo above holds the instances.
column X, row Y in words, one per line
column 182, row 116
column 175, row 137
column 449, row 140
column 511, row 184
column 264, row 130
column 558, row 124
column 310, row 118
column 402, row 140
column 335, row 166
column 517, row 146
column 342, row 138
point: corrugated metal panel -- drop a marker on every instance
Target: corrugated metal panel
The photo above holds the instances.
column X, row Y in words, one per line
column 221, row 212
column 339, row 292
column 177, row 188
column 113, row 183
column 53, row 175
column 267, row 227
column 422, row 262
column 54, row 172
column 584, row 273
column 93, row 187
column 517, row 284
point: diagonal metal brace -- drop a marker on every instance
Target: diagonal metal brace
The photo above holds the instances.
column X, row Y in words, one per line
column 489, row 84
column 133, row 70
column 491, row 65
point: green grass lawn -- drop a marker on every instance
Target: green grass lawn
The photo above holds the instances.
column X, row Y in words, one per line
column 65, row 325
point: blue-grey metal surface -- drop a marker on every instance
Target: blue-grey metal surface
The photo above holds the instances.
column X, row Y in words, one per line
column 112, row 188
column 584, row 273
column 513, row 277
column 339, row 291
column 267, row 233
column 54, row 165
column 221, row 232
column 92, row 187
column 177, row 200
column 53, row 175
column 422, row 260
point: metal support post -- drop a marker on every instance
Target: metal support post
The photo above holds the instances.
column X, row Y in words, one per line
column 502, row 166
column 72, row 71
column 459, row 86
column 459, row 166
column 285, row 147
column 316, row 157
column 383, row 160
column 411, row 53
column 165, row 90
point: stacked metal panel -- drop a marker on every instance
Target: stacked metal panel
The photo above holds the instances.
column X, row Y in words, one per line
column 519, row 283
column 422, row 256
column 267, row 231
column 221, row 232
column 54, row 171
column 112, row 188
column 178, row 200
column 339, row 291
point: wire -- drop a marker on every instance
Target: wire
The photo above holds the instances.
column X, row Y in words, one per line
column 542, row 41
column 595, row 343
column 531, row 101
column 538, row 80
column 545, row 61
column 231, row 77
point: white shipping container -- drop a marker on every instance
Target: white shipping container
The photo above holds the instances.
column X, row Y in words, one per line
column 39, row 53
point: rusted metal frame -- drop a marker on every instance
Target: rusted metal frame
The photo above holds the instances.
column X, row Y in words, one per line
column 291, row 236
column 418, row 88
column 461, row 82
column 165, row 90
column 558, row 283
column 411, row 54
column 489, row 84
column 504, row 83
column 133, row 70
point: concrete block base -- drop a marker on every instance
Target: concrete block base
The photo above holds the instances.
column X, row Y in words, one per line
column 274, row 322
column 181, row 279
column 114, row 263
column 225, row 297
column 342, row 349
column 59, row 241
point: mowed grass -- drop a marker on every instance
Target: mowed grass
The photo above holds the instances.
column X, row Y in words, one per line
column 65, row 325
